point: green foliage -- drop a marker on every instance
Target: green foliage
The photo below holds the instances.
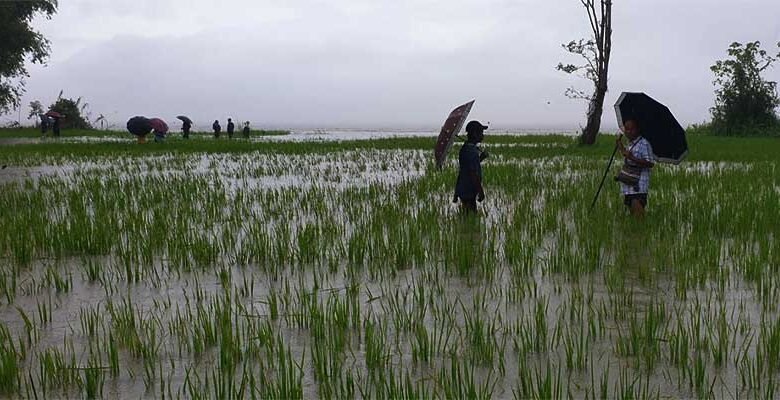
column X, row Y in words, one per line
column 20, row 41
column 745, row 103
column 585, row 48
column 72, row 110
column 36, row 108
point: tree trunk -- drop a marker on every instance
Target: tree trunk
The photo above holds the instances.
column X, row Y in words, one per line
column 595, row 110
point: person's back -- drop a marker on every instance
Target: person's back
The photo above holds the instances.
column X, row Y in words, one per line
column 217, row 128
column 230, row 128
column 246, row 130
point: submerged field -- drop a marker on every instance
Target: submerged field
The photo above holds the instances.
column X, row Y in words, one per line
column 208, row 269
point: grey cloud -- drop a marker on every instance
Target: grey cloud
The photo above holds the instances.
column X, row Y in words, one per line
column 376, row 63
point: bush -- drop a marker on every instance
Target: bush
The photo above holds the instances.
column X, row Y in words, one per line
column 708, row 128
column 745, row 103
column 72, row 110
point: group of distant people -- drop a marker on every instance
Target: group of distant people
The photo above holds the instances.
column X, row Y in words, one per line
column 187, row 127
column 230, row 128
column 47, row 122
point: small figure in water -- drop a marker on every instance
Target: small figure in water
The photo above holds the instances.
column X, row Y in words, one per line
column 185, row 128
column 217, row 128
column 246, row 130
column 44, row 123
column 230, row 128
column 55, row 128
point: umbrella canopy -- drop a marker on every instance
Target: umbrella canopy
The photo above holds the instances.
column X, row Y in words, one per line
column 656, row 124
column 53, row 114
column 158, row 125
column 184, row 119
column 450, row 128
column 139, row 126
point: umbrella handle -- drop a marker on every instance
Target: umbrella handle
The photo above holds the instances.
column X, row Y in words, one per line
column 611, row 158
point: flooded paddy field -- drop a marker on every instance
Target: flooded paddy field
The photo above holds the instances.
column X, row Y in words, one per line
column 342, row 269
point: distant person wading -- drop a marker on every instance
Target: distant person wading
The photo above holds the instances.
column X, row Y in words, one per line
column 55, row 128
column 217, row 129
column 185, row 128
column 231, row 127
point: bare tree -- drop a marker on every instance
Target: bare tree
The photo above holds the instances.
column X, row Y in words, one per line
column 596, row 51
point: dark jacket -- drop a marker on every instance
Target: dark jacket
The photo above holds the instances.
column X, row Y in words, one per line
column 468, row 162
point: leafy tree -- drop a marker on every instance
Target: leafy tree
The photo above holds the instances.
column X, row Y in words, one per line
column 745, row 103
column 74, row 112
column 18, row 42
column 596, row 52
column 36, row 109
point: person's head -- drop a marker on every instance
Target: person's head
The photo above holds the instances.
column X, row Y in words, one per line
column 475, row 131
column 216, row 121
column 230, row 120
column 631, row 129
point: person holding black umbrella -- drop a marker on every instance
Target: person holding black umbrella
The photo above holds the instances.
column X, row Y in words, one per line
column 662, row 141
column 634, row 176
column 185, row 128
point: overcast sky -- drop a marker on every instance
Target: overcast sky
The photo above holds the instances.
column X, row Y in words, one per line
column 389, row 63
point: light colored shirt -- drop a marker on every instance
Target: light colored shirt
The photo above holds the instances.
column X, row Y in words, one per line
column 641, row 149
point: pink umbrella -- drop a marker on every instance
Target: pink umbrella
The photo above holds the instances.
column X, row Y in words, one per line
column 159, row 125
column 449, row 130
column 53, row 114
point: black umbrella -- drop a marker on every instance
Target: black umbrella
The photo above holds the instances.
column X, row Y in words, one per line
column 656, row 124
column 139, row 126
column 185, row 119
